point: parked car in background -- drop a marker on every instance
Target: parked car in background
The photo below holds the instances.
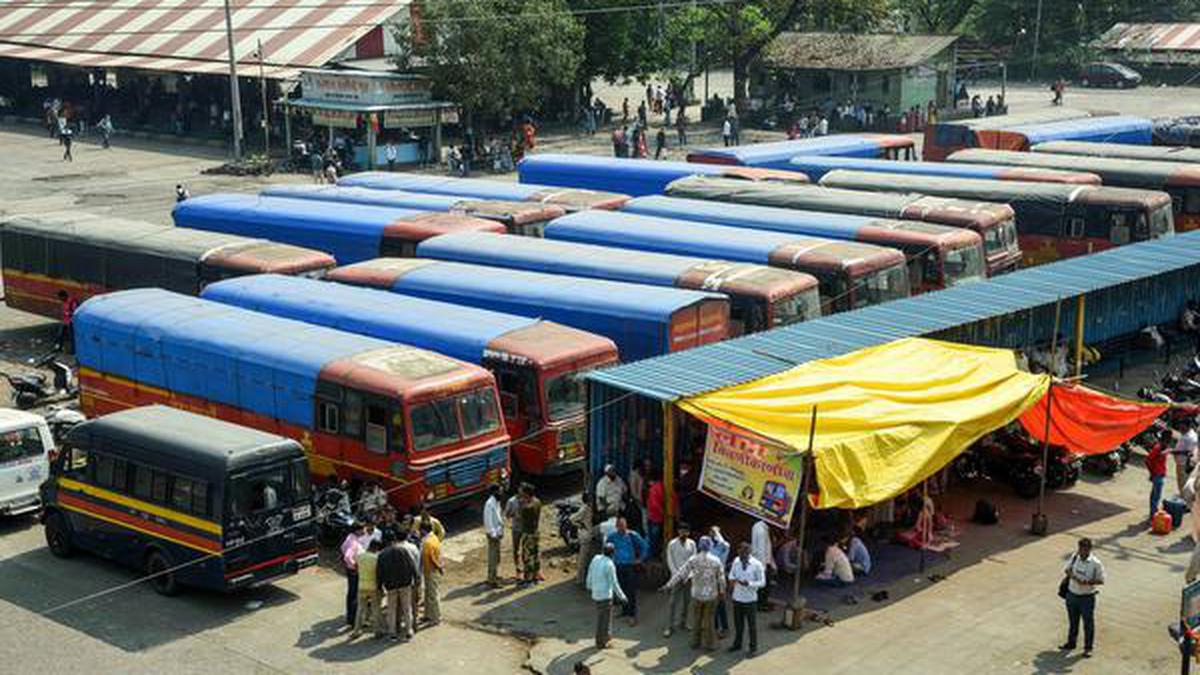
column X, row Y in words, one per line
column 1103, row 74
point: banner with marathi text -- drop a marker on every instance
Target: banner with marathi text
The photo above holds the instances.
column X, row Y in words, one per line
column 751, row 474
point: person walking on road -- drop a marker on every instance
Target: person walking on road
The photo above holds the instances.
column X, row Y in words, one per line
column 1084, row 573
column 397, row 573
column 530, row 514
column 66, row 142
column 704, row 575
column 352, row 545
column 66, row 333
column 679, row 552
column 106, row 131
column 727, row 131
column 746, row 577
column 493, row 527
column 604, row 585
column 432, row 570
column 1185, row 453
column 629, row 553
column 1156, row 464
column 660, row 142
column 390, row 153
column 181, row 193
column 368, row 592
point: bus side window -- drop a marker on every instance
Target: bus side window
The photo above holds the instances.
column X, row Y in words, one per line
column 352, row 414
column 77, row 465
column 1119, row 233
column 143, row 478
column 329, row 414
column 190, row 496
column 399, row 439
column 111, row 472
column 1075, row 227
column 376, row 428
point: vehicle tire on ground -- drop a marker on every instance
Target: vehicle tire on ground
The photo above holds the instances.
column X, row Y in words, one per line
column 58, row 536
column 162, row 580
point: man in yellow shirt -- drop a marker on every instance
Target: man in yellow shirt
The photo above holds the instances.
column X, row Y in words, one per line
column 432, row 570
column 368, row 592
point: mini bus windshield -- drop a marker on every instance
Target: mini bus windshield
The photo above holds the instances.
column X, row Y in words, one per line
column 436, row 423
column 963, row 264
column 1162, row 222
column 266, row 489
column 882, row 285
column 1001, row 238
column 566, row 395
column 796, row 308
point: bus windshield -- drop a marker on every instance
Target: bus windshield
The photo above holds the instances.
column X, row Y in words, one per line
column 265, row 489
column 1162, row 222
column 882, row 285
column 436, row 423
column 1000, row 239
column 565, row 395
column 963, row 264
column 796, row 308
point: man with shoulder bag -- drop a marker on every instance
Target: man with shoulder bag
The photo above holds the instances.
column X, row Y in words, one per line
column 1082, row 576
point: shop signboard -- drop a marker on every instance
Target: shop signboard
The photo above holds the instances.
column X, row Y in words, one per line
column 365, row 89
column 342, row 119
column 751, row 474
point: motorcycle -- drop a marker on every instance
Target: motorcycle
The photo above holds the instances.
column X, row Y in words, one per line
column 29, row 390
column 334, row 515
column 1014, row 459
column 62, row 419
column 568, row 531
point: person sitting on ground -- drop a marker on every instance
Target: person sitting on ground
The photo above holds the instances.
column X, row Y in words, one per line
column 836, row 571
column 860, row 557
column 787, row 556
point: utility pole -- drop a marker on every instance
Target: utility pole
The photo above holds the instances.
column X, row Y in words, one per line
column 266, row 120
column 235, row 99
column 1037, row 37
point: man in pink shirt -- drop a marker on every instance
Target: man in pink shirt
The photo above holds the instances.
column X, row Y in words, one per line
column 354, row 544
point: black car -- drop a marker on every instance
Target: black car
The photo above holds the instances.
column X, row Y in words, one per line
column 1109, row 75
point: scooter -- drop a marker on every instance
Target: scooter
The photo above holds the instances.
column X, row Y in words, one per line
column 567, row 530
column 30, row 390
column 335, row 517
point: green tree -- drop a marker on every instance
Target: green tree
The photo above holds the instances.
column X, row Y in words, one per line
column 934, row 16
column 494, row 57
column 623, row 39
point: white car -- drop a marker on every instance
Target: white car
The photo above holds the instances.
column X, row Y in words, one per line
column 25, row 449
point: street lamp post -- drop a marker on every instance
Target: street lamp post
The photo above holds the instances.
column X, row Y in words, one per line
column 235, row 99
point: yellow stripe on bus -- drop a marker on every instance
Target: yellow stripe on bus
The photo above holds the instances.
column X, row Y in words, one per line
column 182, row 518
column 156, row 535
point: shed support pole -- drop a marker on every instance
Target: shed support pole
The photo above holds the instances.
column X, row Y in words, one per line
column 668, row 468
column 1079, row 326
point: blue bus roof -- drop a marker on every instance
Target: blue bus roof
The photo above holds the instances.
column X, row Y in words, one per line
column 816, row 167
column 668, row 235
column 634, row 316
column 456, row 331
column 350, row 232
column 395, row 199
column 613, row 174
column 777, row 155
column 225, row 354
column 749, row 216
column 558, row 257
column 1112, row 129
column 476, row 188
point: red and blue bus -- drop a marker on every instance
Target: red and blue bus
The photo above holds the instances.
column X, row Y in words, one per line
column 636, row 177
column 538, row 365
column 760, row 297
column 428, row 428
column 777, row 155
column 350, row 232
column 1180, row 181
column 526, row 218
column 851, row 274
column 1107, row 129
column 643, row 321
column 816, row 167
column 938, row 256
column 994, row 223
column 943, row 138
column 1053, row 221
column 86, row 255
column 482, row 188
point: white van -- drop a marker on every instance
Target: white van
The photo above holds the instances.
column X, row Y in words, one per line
column 25, row 447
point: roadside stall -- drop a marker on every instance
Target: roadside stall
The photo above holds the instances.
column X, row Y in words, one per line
column 363, row 111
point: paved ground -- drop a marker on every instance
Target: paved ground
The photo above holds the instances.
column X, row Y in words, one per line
column 994, row 612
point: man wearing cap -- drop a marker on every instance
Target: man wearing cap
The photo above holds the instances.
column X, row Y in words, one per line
column 602, row 582
column 706, row 573
column 610, row 492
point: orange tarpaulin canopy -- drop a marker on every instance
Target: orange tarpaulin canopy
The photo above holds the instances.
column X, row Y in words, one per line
column 1086, row 421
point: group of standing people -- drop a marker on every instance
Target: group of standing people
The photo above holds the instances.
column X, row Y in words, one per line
column 58, row 122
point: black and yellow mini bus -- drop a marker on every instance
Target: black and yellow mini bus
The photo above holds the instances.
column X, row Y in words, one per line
column 188, row 499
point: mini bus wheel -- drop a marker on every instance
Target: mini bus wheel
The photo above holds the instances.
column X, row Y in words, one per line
column 161, row 579
column 58, row 535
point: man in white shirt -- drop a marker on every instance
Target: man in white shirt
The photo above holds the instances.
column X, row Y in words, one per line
column 1084, row 574
column 390, row 154
column 836, row 570
column 746, row 577
column 493, row 526
column 610, row 493
column 705, row 573
column 761, row 549
column 1185, row 451
column 679, row 551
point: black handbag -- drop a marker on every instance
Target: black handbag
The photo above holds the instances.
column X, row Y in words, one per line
column 1064, row 585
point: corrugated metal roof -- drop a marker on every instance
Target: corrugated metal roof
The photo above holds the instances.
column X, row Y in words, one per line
column 1151, row 37
column 848, row 51
column 188, row 36
column 733, row 362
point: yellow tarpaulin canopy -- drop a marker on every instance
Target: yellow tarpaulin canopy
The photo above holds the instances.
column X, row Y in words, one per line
column 888, row 417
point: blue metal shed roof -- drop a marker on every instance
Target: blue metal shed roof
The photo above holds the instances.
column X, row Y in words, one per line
column 350, row 232
column 476, row 188
column 453, row 330
column 1111, row 129
column 779, row 153
column 815, row 167
column 360, row 195
column 740, row 360
column 558, row 257
column 793, row 221
column 613, row 174
column 669, row 235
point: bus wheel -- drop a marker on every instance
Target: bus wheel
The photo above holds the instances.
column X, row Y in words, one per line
column 58, row 536
column 161, row 578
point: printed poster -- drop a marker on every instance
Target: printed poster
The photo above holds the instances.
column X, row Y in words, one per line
column 751, row 474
